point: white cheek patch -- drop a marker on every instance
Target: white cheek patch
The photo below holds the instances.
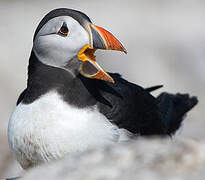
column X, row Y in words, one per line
column 77, row 36
column 56, row 50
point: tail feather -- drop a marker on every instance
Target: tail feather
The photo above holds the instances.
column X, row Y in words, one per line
column 153, row 88
column 174, row 108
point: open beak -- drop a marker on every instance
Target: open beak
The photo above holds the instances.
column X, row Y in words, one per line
column 99, row 39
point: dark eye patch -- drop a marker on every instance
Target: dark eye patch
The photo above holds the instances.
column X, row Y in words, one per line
column 63, row 30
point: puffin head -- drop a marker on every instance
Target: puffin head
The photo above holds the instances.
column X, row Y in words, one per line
column 65, row 35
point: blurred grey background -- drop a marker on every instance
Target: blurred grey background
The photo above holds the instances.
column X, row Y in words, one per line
column 165, row 40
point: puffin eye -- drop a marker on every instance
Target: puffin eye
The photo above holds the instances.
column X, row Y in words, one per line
column 63, row 30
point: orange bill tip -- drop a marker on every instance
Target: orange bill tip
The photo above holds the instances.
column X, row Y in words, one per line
column 103, row 76
column 109, row 40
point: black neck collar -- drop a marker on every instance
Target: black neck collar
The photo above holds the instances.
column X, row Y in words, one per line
column 43, row 78
column 75, row 90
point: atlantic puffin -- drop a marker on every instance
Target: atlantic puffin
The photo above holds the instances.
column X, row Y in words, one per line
column 71, row 104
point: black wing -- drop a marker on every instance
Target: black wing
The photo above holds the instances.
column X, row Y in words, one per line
column 127, row 105
column 132, row 107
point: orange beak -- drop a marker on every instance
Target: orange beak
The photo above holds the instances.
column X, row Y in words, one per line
column 103, row 39
column 99, row 39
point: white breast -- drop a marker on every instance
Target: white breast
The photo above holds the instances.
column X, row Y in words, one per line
column 49, row 129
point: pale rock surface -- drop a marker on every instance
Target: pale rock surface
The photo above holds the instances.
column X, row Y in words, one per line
column 147, row 159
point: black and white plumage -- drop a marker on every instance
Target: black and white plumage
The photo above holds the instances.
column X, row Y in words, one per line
column 71, row 104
